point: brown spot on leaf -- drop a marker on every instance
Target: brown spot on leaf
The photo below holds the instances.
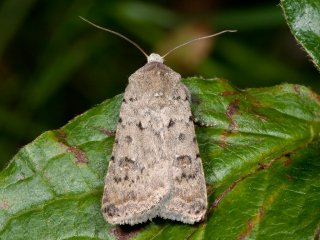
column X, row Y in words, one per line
column 62, row 134
column 251, row 223
column 296, row 88
column 261, row 117
column 232, row 109
column 289, row 177
column 263, row 166
column 287, row 162
column 223, row 139
column 80, row 155
column 226, row 191
column 228, row 93
column 314, row 96
column 234, row 184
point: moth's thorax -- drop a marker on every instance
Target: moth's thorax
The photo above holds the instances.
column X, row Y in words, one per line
column 154, row 73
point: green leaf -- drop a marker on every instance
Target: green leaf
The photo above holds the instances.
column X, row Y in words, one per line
column 303, row 18
column 260, row 152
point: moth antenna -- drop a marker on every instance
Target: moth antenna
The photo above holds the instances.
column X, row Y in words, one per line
column 116, row 33
column 196, row 39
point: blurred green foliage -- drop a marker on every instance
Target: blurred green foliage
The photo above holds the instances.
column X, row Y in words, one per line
column 53, row 66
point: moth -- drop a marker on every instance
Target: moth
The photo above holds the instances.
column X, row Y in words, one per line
column 155, row 168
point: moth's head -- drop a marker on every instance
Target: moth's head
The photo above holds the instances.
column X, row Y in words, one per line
column 154, row 57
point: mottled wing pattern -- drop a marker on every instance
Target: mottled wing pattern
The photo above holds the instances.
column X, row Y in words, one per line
column 137, row 182
column 155, row 168
column 188, row 201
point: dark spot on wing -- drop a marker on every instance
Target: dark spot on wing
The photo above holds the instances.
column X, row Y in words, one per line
column 117, row 179
column 132, row 195
column 182, row 137
column 127, row 163
column 139, row 125
column 120, row 120
column 128, row 139
column 110, row 210
column 184, row 160
column 132, row 99
column 233, row 109
column 171, row 123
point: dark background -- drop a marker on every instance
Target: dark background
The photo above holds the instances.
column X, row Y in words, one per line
column 54, row 66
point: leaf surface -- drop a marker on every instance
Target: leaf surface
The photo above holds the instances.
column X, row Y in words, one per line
column 259, row 149
column 303, row 18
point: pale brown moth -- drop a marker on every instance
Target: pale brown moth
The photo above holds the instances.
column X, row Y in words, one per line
column 155, row 168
